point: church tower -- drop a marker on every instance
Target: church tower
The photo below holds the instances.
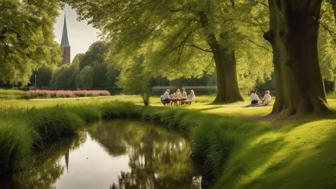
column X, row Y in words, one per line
column 65, row 44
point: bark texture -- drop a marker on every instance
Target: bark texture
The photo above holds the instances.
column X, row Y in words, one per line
column 225, row 60
column 293, row 35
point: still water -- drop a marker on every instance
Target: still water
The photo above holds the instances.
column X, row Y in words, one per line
column 113, row 155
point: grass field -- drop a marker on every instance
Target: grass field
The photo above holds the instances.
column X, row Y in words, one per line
column 240, row 149
column 203, row 104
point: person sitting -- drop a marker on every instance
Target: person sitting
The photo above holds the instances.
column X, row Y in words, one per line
column 178, row 94
column 184, row 95
column 191, row 98
column 174, row 99
column 254, row 98
column 165, row 98
column 267, row 98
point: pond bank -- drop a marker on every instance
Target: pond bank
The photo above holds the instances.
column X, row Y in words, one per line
column 234, row 153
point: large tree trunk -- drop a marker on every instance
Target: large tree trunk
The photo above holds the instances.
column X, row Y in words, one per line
column 225, row 60
column 227, row 84
column 293, row 34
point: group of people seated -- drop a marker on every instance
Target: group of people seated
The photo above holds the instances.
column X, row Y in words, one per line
column 178, row 98
column 265, row 101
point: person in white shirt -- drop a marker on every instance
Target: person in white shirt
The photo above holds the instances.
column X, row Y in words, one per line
column 254, row 98
column 184, row 94
column 165, row 98
column 267, row 98
column 192, row 96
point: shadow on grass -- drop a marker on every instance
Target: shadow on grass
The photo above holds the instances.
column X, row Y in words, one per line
column 313, row 168
column 209, row 108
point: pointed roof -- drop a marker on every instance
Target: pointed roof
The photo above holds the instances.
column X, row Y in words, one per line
column 65, row 40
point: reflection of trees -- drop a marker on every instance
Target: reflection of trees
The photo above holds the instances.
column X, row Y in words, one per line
column 44, row 167
column 158, row 159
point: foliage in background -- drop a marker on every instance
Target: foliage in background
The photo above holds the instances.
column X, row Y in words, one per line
column 42, row 77
column 86, row 78
column 136, row 79
column 26, row 38
column 87, row 71
column 63, row 77
column 327, row 43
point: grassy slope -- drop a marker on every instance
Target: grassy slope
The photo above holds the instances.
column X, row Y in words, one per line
column 301, row 154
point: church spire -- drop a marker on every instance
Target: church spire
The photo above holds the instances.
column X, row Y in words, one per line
column 65, row 40
column 65, row 44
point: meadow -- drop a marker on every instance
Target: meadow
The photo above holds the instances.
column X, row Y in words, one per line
column 237, row 147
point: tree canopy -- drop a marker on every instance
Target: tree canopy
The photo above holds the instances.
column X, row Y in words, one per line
column 186, row 38
column 26, row 38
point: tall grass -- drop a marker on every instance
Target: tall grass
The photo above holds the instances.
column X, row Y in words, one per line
column 55, row 123
column 15, row 144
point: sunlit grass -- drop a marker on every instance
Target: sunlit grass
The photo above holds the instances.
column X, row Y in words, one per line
column 298, row 157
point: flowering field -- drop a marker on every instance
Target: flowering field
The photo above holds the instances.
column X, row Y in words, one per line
column 65, row 93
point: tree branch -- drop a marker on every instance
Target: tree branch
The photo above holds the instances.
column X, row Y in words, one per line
column 258, row 45
column 200, row 48
column 331, row 33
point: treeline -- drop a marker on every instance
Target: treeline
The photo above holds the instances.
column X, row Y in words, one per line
column 87, row 71
column 93, row 70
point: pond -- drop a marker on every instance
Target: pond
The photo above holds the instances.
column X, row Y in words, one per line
column 113, row 155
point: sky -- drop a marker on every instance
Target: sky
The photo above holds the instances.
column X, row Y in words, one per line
column 81, row 35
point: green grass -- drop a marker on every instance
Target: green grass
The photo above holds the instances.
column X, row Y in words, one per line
column 11, row 94
column 234, row 151
column 15, row 144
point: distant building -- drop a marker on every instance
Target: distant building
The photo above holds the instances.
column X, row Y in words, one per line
column 65, row 44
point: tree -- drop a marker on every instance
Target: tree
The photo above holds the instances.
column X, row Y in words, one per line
column 42, row 76
column 95, row 55
column 86, row 78
column 112, row 76
column 135, row 78
column 63, row 78
column 293, row 35
column 26, row 38
column 99, row 76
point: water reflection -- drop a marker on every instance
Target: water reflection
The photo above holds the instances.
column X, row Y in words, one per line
column 115, row 155
column 45, row 167
column 157, row 159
